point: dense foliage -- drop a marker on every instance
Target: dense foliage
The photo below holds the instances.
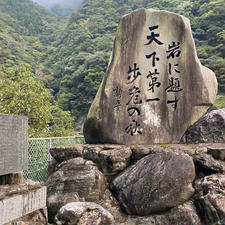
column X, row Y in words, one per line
column 26, row 31
column 21, row 93
column 81, row 55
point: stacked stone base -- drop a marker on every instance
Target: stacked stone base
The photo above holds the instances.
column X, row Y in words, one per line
column 159, row 184
column 22, row 202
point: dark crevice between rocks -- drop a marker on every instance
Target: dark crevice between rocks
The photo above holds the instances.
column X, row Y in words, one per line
column 206, row 211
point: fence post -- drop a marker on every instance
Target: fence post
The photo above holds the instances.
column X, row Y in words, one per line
column 75, row 140
column 49, row 146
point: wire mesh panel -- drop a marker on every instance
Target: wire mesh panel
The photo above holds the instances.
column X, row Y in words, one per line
column 37, row 160
column 38, row 155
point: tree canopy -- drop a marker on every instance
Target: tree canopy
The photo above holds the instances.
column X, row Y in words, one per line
column 21, row 93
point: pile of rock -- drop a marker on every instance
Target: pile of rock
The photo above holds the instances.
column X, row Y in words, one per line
column 138, row 184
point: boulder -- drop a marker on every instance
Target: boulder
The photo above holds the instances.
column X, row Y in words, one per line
column 110, row 159
column 210, row 199
column 58, row 200
column 207, row 165
column 155, row 86
column 182, row 215
column 83, row 213
column 208, row 129
column 74, row 177
column 61, row 154
column 155, row 184
column 115, row 160
column 218, row 152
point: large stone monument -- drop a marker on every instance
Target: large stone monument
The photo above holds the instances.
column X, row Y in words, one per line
column 155, row 86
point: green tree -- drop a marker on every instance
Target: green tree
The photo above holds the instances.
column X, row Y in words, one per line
column 21, row 93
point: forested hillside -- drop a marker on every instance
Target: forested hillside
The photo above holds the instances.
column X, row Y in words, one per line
column 26, row 32
column 79, row 59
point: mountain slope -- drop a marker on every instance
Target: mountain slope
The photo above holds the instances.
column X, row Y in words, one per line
column 26, row 30
column 80, row 57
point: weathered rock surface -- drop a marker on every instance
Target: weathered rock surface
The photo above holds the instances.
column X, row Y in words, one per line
column 182, row 215
column 210, row 200
column 61, row 154
column 207, row 165
column 83, row 213
column 217, row 151
column 58, row 200
column 155, row 183
column 155, row 86
column 38, row 217
column 74, row 177
column 209, row 128
column 110, row 159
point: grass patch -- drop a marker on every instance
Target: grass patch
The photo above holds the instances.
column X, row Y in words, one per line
column 220, row 101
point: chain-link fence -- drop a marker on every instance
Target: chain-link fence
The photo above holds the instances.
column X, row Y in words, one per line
column 38, row 155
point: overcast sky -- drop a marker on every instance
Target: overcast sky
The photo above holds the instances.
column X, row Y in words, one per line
column 50, row 3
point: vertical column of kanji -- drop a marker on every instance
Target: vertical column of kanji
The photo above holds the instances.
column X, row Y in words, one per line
column 174, row 82
column 134, row 102
column 153, row 73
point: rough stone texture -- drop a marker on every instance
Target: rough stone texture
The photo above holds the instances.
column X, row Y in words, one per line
column 9, row 190
column 38, row 217
column 13, row 144
column 207, row 165
column 110, row 159
column 182, row 215
column 155, row 183
column 83, row 213
column 113, row 161
column 56, row 201
column 218, row 151
column 75, row 176
column 111, row 118
column 209, row 128
column 16, row 206
column 61, row 154
column 210, row 200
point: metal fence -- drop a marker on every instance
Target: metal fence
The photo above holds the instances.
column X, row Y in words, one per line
column 38, row 155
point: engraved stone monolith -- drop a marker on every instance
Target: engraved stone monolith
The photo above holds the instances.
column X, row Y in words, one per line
column 155, row 86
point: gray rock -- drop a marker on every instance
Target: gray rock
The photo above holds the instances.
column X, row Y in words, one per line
column 155, row 183
column 110, row 159
column 210, row 199
column 61, row 154
column 150, row 94
column 92, row 153
column 182, row 215
column 76, row 177
column 115, row 160
column 83, row 213
column 58, row 200
column 218, row 152
column 210, row 128
column 207, row 165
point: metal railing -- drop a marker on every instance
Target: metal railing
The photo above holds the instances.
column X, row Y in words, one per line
column 39, row 155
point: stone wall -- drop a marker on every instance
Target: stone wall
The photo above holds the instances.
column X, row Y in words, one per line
column 159, row 184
